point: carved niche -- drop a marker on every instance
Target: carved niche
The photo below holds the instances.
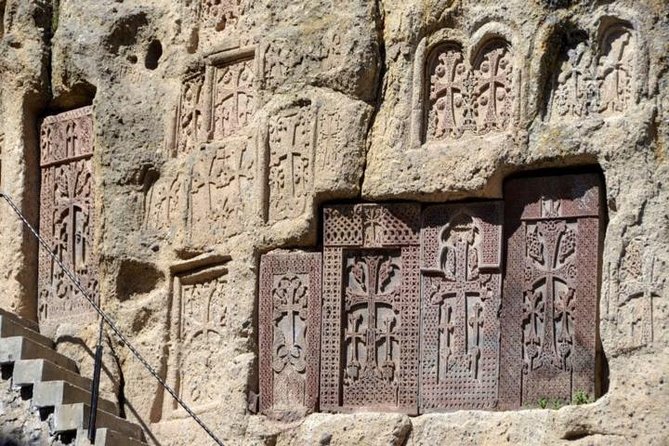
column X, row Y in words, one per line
column 461, row 281
column 231, row 97
column 468, row 97
column 217, row 103
column 551, row 289
column 189, row 127
column 640, row 285
column 165, row 203
column 292, row 141
column 199, row 308
column 290, row 317
column 596, row 79
column 369, row 348
column 67, row 218
column 221, row 190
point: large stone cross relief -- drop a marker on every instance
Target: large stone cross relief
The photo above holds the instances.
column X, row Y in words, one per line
column 372, row 288
column 548, row 309
column 461, row 287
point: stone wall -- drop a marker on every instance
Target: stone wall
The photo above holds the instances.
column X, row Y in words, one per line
column 221, row 128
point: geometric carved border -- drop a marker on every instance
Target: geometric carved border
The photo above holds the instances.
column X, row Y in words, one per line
column 461, row 280
column 371, row 299
column 289, row 333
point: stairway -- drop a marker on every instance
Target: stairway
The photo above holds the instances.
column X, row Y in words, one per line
column 56, row 388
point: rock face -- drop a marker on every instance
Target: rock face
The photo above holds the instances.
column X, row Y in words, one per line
column 221, row 129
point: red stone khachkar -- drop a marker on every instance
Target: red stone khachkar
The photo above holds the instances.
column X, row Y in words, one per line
column 549, row 313
column 290, row 309
column 66, row 217
column 371, row 293
column 461, row 278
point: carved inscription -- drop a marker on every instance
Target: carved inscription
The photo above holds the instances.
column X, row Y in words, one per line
column 232, row 98
column 199, row 306
column 221, row 189
column 471, row 98
column 461, row 297
column 370, row 308
column 67, row 218
column 601, row 81
column 290, row 294
column 640, row 286
column 291, row 162
column 549, row 341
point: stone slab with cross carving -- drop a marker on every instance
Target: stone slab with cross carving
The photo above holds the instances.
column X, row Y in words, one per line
column 369, row 354
column 290, row 293
column 461, row 278
column 67, row 219
column 549, row 313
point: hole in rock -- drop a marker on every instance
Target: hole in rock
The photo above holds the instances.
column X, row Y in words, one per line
column 153, row 55
column 135, row 277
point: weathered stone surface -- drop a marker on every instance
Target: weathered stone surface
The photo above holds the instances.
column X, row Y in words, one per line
column 189, row 162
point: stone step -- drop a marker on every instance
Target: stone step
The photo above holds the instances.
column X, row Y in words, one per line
column 9, row 327
column 30, row 371
column 19, row 347
column 53, row 393
column 108, row 437
column 31, row 325
column 74, row 417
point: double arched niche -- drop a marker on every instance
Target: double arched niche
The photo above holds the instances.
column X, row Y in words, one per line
column 491, row 83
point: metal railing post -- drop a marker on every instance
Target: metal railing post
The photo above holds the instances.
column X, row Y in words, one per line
column 112, row 325
column 95, row 387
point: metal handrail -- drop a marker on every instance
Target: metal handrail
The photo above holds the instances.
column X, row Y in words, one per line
column 110, row 322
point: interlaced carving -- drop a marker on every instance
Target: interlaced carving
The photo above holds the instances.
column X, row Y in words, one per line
column 370, row 307
column 469, row 98
column 291, row 162
column 598, row 79
column 549, row 317
column 199, row 303
column 461, row 296
column 67, row 217
column 290, row 292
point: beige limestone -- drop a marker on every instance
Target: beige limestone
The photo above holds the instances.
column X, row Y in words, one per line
column 356, row 64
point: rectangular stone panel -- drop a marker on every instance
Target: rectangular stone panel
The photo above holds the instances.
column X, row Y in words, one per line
column 197, row 347
column 461, row 280
column 289, row 315
column 550, row 307
column 369, row 347
column 67, row 218
column 290, row 171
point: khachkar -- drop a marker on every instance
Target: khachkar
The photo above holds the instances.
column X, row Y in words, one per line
column 369, row 347
column 461, row 249
column 198, row 331
column 549, row 313
column 290, row 316
column 67, row 218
